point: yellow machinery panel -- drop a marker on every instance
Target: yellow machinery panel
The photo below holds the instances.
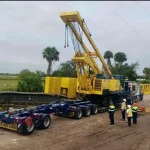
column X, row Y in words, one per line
column 114, row 85
column 61, row 86
column 52, row 85
column 68, row 85
column 47, row 85
column 105, row 84
column 145, row 89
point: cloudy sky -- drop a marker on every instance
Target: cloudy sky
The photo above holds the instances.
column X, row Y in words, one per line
column 26, row 28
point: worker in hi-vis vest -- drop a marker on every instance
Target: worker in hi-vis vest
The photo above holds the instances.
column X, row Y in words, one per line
column 111, row 112
column 123, row 109
column 134, row 111
column 129, row 115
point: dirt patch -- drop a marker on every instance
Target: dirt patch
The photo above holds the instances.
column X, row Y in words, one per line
column 88, row 133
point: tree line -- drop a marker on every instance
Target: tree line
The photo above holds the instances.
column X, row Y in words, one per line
column 32, row 81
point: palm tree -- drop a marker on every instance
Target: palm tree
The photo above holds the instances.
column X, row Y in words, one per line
column 120, row 57
column 108, row 55
column 51, row 55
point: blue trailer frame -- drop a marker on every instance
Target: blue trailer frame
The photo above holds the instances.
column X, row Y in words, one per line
column 69, row 108
column 19, row 120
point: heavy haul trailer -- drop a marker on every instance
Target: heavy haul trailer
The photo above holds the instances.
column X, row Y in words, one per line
column 25, row 121
column 69, row 108
column 74, row 109
column 23, row 125
column 100, row 87
column 40, row 115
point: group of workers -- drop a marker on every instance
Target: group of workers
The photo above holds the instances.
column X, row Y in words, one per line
column 126, row 110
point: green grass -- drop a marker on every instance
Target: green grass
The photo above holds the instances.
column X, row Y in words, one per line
column 9, row 83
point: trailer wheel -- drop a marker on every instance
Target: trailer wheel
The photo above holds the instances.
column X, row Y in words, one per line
column 78, row 113
column 94, row 110
column 87, row 111
column 25, row 128
column 28, row 129
column 45, row 122
column 37, row 123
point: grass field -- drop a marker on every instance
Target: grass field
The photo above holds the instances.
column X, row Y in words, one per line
column 9, row 83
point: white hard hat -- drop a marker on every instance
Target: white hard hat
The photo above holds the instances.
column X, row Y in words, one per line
column 124, row 100
column 129, row 106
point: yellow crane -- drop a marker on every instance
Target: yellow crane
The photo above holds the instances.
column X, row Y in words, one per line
column 96, row 85
column 85, row 60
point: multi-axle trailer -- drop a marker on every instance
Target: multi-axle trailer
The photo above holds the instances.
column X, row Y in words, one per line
column 25, row 121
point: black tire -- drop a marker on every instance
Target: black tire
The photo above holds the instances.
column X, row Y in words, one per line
column 37, row 123
column 28, row 129
column 94, row 110
column 87, row 111
column 45, row 122
column 78, row 113
column 20, row 129
column 24, row 129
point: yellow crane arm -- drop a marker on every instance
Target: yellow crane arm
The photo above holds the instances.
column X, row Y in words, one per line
column 93, row 65
column 68, row 18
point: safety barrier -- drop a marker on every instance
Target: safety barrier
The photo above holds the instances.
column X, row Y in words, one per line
column 145, row 89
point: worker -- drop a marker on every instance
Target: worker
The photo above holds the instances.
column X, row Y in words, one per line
column 134, row 111
column 129, row 115
column 123, row 109
column 111, row 112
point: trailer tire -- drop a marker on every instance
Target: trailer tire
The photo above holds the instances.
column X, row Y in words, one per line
column 45, row 122
column 87, row 111
column 24, row 129
column 94, row 110
column 28, row 129
column 78, row 113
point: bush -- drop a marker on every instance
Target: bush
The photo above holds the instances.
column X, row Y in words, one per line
column 145, row 82
column 30, row 82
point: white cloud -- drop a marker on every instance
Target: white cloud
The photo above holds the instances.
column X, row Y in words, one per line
column 29, row 27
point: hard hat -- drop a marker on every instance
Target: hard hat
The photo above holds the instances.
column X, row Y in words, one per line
column 134, row 104
column 124, row 100
column 129, row 106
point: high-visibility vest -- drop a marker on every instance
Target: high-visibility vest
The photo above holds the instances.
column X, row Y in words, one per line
column 112, row 108
column 134, row 109
column 129, row 112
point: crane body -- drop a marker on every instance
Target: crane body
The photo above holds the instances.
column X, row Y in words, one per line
column 100, row 87
column 88, row 83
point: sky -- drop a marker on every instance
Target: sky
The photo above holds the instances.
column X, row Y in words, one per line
column 27, row 27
